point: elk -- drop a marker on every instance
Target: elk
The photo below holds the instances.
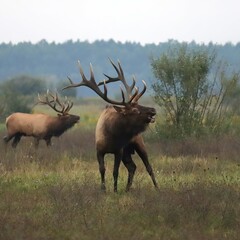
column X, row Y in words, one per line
column 39, row 125
column 119, row 127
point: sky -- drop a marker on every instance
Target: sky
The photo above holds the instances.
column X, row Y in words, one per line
column 139, row 21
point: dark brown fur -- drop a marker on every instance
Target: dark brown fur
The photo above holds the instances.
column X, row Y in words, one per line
column 39, row 126
column 118, row 132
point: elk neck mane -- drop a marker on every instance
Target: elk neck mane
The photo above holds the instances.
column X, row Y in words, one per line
column 56, row 126
column 121, row 124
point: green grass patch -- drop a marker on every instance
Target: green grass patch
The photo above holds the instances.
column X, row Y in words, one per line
column 198, row 199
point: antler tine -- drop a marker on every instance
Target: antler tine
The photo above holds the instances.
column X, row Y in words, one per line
column 54, row 101
column 67, row 105
column 123, row 96
column 129, row 88
column 113, row 79
column 91, row 83
column 133, row 84
column 137, row 96
column 85, row 82
column 82, row 83
column 70, row 105
column 134, row 95
column 54, row 98
column 120, row 77
column 40, row 100
column 119, row 72
column 104, row 96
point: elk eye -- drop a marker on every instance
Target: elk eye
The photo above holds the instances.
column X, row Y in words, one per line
column 135, row 110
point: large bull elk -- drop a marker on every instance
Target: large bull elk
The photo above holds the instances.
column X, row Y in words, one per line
column 39, row 125
column 120, row 125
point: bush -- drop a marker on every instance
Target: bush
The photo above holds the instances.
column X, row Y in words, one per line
column 194, row 90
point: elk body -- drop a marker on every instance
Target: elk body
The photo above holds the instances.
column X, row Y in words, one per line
column 119, row 127
column 40, row 126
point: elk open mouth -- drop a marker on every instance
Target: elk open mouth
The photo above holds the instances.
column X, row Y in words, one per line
column 152, row 115
column 151, row 119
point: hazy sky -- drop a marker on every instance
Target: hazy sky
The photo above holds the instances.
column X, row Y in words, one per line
column 141, row 21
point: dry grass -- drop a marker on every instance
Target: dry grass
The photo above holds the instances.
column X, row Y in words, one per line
column 65, row 202
column 54, row 193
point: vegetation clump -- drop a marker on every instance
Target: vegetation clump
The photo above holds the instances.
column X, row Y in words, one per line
column 195, row 92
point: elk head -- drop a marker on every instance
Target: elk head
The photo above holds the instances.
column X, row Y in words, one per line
column 62, row 108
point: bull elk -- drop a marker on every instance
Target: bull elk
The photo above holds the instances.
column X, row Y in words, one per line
column 120, row 125
column 39, row 125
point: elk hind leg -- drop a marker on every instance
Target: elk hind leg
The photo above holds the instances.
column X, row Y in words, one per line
column 131, row 167
column 16, row 140
column 141, row 151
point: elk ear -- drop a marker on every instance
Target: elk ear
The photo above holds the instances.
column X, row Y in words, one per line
column 121, row 110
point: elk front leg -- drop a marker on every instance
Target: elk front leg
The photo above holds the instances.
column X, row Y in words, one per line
column 36, row 143
column 48, row 142
column 7, row 138
column 117, row 161
column 100, row 157
column 16, row 140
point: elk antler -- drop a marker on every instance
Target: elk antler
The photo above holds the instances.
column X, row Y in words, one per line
column 121, row 78
column 91, row 83
column 54, row 101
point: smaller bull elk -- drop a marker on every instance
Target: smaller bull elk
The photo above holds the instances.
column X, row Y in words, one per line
column 120, row 125
column 39, row 125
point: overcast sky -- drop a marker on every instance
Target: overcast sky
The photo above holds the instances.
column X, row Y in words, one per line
column 140, row 21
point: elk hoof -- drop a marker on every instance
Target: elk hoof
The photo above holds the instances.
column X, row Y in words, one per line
column 103, row 188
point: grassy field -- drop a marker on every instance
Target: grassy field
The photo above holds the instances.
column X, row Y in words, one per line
column 54, row 193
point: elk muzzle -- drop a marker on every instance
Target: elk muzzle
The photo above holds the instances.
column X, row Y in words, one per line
column 151, row 115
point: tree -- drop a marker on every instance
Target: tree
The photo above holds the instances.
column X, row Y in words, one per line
column 191, row 87
column 18, row 93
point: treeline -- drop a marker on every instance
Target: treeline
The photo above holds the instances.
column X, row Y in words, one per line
column 55, row 62
column 196, row 86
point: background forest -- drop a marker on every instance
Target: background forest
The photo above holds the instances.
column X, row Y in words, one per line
column 54, row 62
column 28, row 69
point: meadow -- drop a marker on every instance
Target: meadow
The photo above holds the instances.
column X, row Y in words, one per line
column 54, row 193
